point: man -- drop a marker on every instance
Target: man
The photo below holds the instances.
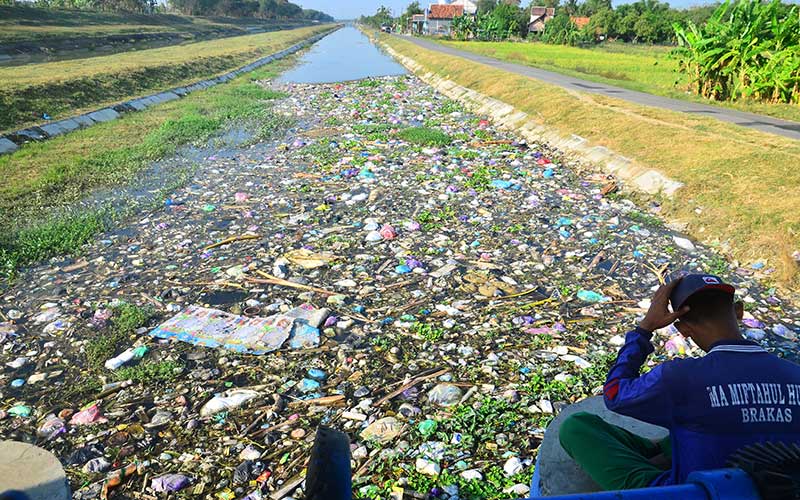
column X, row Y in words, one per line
column 737, row 394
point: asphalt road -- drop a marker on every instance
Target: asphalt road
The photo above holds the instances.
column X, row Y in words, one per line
column 750, row 120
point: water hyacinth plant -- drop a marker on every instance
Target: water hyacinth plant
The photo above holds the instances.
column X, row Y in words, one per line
column 748, row 49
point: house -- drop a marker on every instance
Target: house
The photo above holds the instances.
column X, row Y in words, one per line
column 416, row 25
column 470, row 7
column 539, row 17
column 580, row 22
column 440, row 18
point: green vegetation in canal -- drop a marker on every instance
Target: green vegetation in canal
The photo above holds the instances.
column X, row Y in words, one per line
column 149, row 372
column 374, row 131
column 480, row 179
column 130, row 317
column 646, row 219
column 740, row 185
column 38, row 241
column 127, row 318
column 427, row 331
column 66, row 88
column 425, row 136
column 645, row 68
column 43, row 177
column 478, row 423
column 432, row 221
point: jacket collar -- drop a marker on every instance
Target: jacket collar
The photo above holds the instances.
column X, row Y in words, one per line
column 740, row 345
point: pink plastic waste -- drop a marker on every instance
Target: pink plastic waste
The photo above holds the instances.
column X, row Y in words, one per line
column 388, row 232
column 676, row 345
column 87, row 416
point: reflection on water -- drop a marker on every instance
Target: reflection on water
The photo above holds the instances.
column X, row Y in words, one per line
column 342, row 56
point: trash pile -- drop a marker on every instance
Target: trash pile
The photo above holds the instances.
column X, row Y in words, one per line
column 395, row 268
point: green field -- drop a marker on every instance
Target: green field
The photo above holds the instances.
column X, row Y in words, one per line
column 741, row 185
column 637, row 67
column 66, row 88
column 31, row 24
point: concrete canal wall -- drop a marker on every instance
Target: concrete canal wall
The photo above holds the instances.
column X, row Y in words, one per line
column 638, row 176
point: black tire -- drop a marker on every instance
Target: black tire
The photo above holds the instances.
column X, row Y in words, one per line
column 329, row 476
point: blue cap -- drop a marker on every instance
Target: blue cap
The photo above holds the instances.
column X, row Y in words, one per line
column 693, row 283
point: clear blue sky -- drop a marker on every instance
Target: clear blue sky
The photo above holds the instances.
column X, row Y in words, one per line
column 351, row 9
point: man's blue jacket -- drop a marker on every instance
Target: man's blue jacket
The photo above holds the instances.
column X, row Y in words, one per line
column 737, row 394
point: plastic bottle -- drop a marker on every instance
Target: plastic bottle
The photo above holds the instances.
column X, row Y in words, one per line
column 126, row 357
column 227, row 401
column 114, row 387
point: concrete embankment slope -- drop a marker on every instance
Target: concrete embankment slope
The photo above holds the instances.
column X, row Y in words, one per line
column 730, row 186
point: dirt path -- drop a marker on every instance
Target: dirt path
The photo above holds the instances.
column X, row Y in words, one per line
column 763, row 123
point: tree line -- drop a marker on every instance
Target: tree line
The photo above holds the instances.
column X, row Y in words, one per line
column 262, row 9
column 737, row 49
column 644, row 21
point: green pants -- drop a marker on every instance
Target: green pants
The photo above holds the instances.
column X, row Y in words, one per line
column 614, row 458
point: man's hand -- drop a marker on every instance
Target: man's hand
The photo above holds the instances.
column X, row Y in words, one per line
column 658, row 316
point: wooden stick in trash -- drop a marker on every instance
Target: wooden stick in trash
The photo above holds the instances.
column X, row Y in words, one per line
column 152, row 300
column 324, row 401
column 289, row 487
column 288, row 421
column 512, row 296
column 232, row 239
column 274, row 280
column 254, row 423
column 414, row 381
column 489, row 143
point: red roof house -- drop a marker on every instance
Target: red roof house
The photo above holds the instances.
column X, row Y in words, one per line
column 580, row 22
column 445, row 11
column 440, row 18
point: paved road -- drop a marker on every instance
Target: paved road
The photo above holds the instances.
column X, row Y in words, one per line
column 759, row 122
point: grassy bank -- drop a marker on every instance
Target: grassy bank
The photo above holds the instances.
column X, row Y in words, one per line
column 66, row 88
column 19, row 23
column 648, row 69
column 741, row 185
column 42, row 178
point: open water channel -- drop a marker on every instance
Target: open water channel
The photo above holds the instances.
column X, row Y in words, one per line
column 344, row 55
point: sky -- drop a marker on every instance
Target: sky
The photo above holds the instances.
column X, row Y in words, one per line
column 351, row 9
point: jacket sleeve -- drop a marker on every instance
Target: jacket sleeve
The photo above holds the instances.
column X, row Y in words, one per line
column 645, row 397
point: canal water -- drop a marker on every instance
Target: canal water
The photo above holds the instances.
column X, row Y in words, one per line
column 344, row 55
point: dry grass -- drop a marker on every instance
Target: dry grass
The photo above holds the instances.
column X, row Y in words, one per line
column 644, row 68
column 30, row 24
column 67, row 88
column 742, row 187
column 44, row 73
